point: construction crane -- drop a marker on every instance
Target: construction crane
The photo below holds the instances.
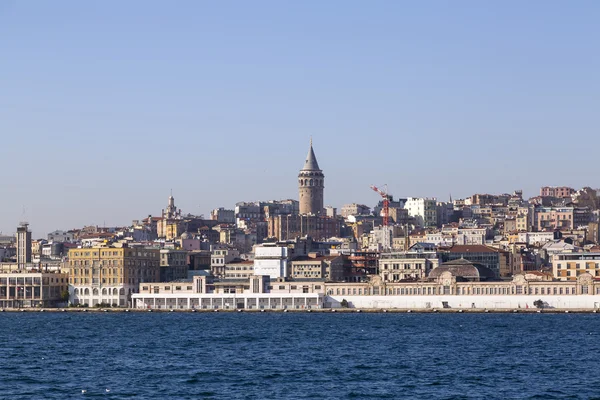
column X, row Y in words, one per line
column 386, row 202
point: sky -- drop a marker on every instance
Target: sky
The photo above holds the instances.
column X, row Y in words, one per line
column 105, row 107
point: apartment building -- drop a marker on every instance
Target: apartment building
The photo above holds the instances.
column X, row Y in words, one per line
column 110, row 274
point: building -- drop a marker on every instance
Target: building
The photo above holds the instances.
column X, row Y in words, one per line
column 407, row 265
column 311, row 184
column 492, row 258
column 315, row 266
column 60, row 237
column 271, row 260
column 173, row 265
column 33, row 289
column 171, row 224
column 355, row 209
column 288, row 227
column 222, row 215
column 239, row 269
column 568, row 266
column 257, row 292
column 423, row 210
column 23, row 245
column 109, row 275
column 220, row 256
column 551, row 218
column 556, row 191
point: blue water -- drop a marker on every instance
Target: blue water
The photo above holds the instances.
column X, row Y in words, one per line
column 298, row 356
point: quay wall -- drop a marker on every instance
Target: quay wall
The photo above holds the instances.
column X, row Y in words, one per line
column 464, row 302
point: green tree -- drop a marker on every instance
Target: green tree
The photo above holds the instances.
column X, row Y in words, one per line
column 64, row 296
column 344, row 303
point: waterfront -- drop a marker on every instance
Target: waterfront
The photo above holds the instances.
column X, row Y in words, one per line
column 298, row 355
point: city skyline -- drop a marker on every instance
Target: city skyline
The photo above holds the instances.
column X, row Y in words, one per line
column 102, row 114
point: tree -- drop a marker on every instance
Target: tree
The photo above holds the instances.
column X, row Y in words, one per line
column 64, row 296
column 344, row 303
column 539, row 304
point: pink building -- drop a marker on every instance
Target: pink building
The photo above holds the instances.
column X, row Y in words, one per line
column 556, row 191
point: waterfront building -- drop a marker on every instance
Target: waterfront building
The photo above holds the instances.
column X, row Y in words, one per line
column 110, row 274
column 257, row 292
column 467, row 288
column 311, row 185
column 32, row 289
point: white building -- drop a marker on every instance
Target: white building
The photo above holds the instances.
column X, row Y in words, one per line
column 424, row 211
column 536, row 237
column 60, row 237
column 271, row 260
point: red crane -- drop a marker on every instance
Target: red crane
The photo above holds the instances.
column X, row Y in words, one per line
column 386, row 202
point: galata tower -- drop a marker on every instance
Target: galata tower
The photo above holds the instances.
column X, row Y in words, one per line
column 311, row 183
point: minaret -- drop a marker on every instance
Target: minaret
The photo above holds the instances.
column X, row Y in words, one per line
column 311, row 183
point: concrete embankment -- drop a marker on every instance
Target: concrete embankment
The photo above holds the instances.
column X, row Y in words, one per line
column 319, row 310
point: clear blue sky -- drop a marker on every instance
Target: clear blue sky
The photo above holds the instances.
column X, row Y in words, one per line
column 105, row 106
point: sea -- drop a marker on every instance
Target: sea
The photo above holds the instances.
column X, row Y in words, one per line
column 299, row 356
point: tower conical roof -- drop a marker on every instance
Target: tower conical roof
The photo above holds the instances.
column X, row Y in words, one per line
column 311, row 163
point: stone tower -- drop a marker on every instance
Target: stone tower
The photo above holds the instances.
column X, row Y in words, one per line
column 311, row 183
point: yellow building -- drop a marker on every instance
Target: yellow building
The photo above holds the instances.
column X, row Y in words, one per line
column 569, row 266
column 110, row 274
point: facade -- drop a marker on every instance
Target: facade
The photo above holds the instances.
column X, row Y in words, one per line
column 257, row 292
column 223, row 216
column 171, row 224
column 551, row 218
column 60, row 237
column 423, row 210
column 407, row 265
column 239, row 269
column 110, row 274
column 494, row 259
column 449, row 291
column 288, row 227
column 355, row 209
column 32, row 289
column 271, row 260
column 313, row 266
column 23, row 245
column 311, row 185
column 173, row 265
column 556, row 191
column 220, row 256
column 569, row 266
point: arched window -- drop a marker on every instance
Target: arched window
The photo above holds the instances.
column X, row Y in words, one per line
column 104, row 291
column 76, row 291
column 311, row 182
column 95, row 292
column 121, row 291
column 115, row 292
column 87, row 292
